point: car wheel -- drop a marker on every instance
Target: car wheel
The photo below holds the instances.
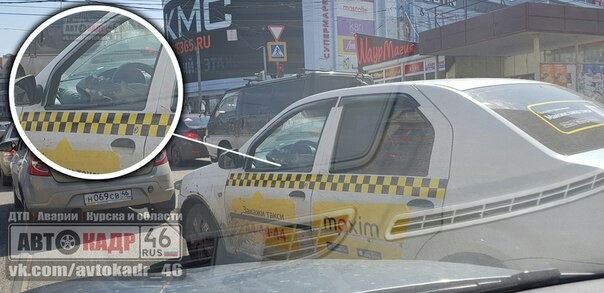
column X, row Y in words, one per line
column 175, row 156
column 6, row 180
column 200, row 231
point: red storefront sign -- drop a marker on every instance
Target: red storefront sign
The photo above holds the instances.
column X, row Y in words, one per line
column 373, row 50
column 414, row 68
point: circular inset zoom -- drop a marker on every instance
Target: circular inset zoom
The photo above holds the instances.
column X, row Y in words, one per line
column 103, row 95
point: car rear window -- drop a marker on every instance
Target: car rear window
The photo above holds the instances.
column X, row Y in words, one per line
column 560, row 119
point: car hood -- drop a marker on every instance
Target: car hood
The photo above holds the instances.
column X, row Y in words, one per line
column 306, row 276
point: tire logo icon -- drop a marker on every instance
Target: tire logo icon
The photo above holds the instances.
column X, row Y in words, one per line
column 67, row 242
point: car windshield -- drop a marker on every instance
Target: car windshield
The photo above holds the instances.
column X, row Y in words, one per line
column 301, row 145
column 115, row 71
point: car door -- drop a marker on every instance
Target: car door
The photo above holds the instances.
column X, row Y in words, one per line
column 221, row 126
column 256, row 108
column 269, row 206
column 390, row 160
column 97, row 100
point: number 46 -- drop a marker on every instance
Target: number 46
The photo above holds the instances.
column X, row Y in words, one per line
column 172, row 270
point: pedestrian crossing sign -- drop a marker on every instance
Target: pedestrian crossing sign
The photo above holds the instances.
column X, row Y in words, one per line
column 277, row 51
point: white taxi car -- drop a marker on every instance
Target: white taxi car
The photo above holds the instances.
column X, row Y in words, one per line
column 492, row 172
column 105, row 102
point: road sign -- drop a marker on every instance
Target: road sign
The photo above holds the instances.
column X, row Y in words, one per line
column 276, row 31
column 277, row 51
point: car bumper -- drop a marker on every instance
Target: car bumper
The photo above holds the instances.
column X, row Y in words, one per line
column 44, row 193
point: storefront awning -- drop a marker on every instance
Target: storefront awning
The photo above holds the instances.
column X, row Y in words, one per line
column 510, row 31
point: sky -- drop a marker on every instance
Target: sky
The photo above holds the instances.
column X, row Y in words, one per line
column 20, row 17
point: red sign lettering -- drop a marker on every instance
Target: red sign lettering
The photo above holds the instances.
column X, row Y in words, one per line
column 373, row 50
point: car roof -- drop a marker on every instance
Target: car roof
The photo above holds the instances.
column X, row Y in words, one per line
column 460, row 84
column 298, row 76
column 464, row 84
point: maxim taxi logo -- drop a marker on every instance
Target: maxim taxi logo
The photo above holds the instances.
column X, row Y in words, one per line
column 56, row 242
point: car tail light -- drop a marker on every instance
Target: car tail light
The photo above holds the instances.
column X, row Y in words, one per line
column 38, row 168
column 192, row 135
column 161, row 159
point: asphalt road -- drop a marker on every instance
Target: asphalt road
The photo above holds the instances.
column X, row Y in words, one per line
column 6, row 204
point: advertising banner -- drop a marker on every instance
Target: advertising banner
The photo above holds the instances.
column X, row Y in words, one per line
column 393, row 72
column 560, row 74
column 352, row 17
column 591, row 81
column 374, row 50
column 195, row 25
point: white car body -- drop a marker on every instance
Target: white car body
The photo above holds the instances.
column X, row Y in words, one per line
column 505, row 199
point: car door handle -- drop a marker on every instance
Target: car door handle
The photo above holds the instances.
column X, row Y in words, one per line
column 123, row 143
column 421, row 203
column 297, row 194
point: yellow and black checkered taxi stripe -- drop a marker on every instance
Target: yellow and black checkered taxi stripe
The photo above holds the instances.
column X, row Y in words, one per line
column 135, row 124
column 370, row 184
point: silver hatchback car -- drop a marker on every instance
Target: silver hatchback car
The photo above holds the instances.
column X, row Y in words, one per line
column 39, row 188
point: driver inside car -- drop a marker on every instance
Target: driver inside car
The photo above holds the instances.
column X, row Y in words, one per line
column 126, row 84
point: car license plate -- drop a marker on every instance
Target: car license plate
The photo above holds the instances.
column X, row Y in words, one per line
column 107, row 197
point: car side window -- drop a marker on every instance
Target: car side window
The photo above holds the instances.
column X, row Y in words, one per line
column 227, row 106
column 293, row 141
column 383, row 135
column 115, row 72
column 257, row 101
column 288, row 92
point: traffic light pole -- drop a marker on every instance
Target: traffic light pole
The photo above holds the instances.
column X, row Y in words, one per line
column 199, row 76
column 264, row 59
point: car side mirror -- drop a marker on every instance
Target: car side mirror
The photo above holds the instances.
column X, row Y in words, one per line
column 7, row 146
column 26, row 91
column 230, row 160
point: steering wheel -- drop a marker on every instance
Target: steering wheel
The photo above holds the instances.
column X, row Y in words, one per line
column 305, row 147
column 296, row 154
column 131, row 73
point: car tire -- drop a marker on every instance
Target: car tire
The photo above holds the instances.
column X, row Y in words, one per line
column 200, row 232
column 6, row 180
column 175, row 156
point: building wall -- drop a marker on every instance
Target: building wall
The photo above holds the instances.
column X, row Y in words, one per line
column 520, row 65
column 476, row 67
